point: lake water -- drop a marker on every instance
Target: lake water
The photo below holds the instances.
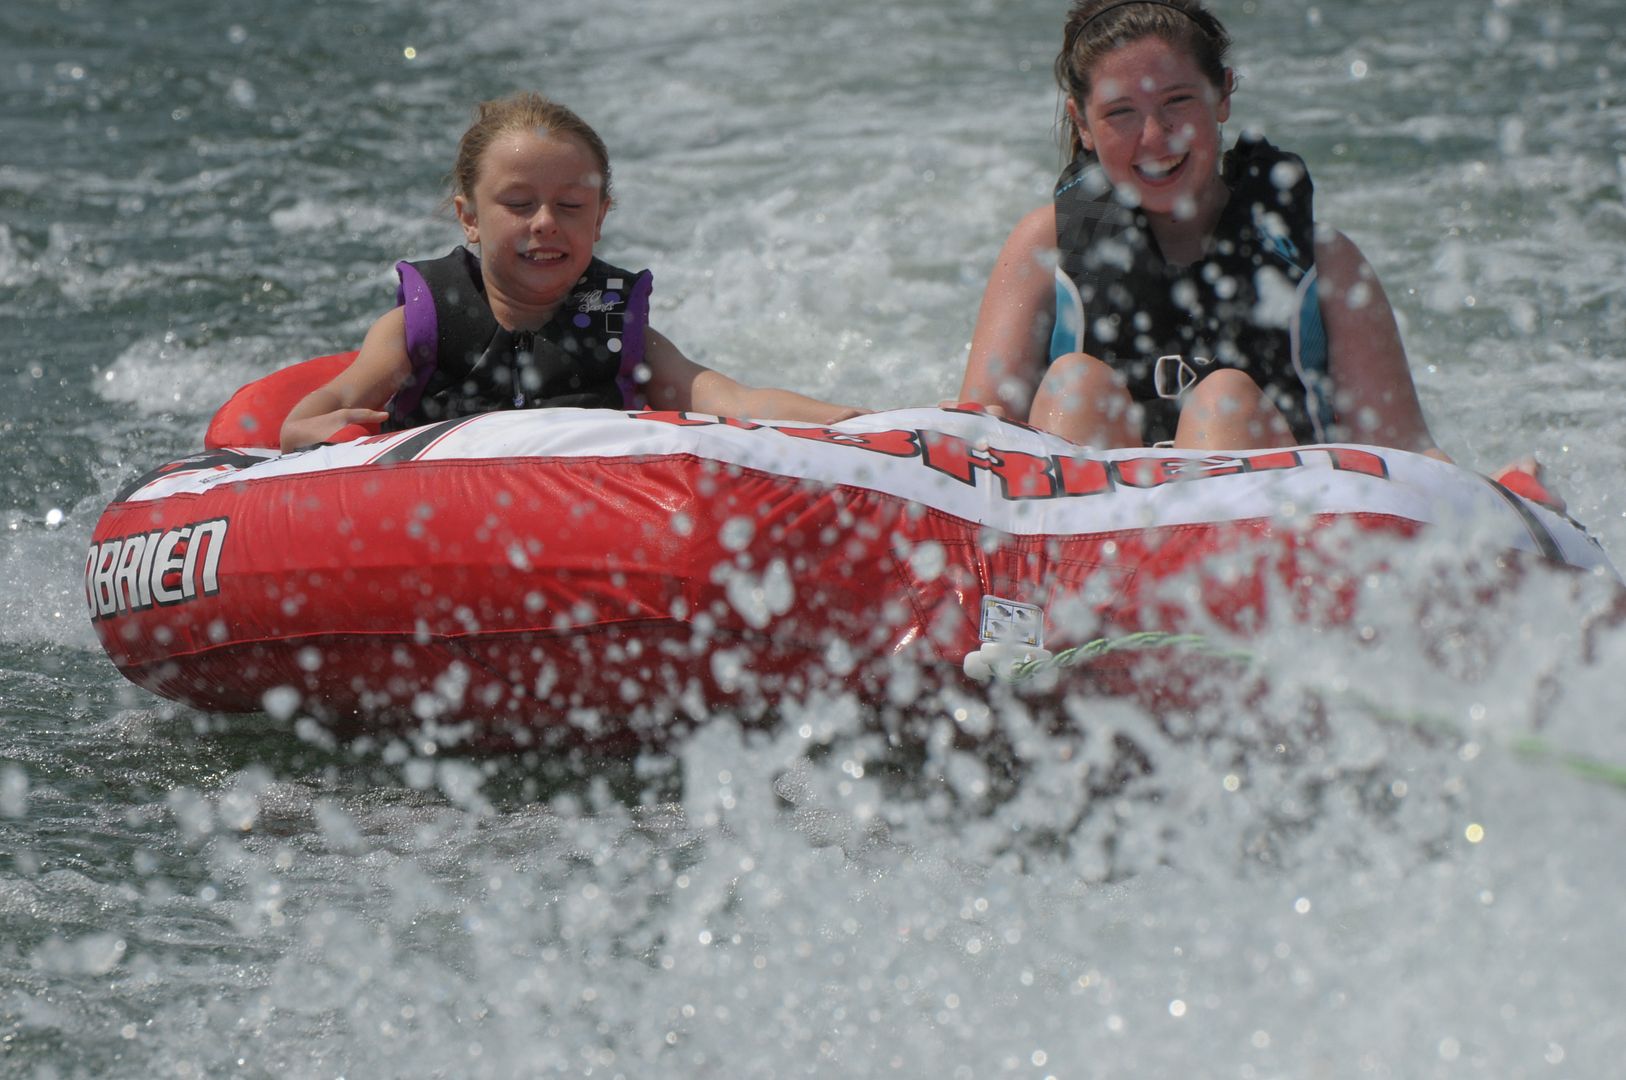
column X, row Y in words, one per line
column 193, row 194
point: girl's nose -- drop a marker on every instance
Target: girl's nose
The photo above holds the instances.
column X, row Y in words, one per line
column 542, row 221
column 1165, row 129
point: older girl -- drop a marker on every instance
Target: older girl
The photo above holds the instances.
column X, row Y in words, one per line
column 1175, row 293
column 535, row 320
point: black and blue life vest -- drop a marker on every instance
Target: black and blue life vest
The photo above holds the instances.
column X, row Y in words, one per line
column 463, row 361
column 1250, row 303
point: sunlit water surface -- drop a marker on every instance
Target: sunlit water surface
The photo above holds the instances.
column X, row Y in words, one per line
column 1370, row 870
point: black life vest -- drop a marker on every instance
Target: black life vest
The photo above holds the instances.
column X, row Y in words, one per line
column 465, row 362
column 1250, row 303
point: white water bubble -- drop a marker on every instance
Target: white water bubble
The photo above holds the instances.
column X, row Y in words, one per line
column 241, row 93
column 193, row 814
column 453, row 684
column 758, row 600
column 338, row 828
column 281, row 702
column 239, row 806
column 736, row 533
column 13, row 791
column 728, row 667
column 419, row 773
column 1284, row 174
column 839, row 657
column 928, row 559
column 460, row 782
column 1278, row 298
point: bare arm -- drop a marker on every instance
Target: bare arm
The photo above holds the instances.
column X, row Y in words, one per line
column 357, row 394
column 1018, row 313
column 676, row 382
column 1376, row 401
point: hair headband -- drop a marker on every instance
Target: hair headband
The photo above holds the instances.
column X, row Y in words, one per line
column 1192, row 15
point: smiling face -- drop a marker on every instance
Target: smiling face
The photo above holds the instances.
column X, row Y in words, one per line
column 1152, row 119
column 536, row 209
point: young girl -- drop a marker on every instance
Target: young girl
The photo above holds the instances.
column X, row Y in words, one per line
column 1196, row 300
column 535, row 321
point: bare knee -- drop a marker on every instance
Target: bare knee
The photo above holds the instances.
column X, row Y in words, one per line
column 1227, row 388
column 1084, row 399
column 1229, row 411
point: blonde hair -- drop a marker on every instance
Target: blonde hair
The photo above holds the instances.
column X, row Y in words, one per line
column 525, row 111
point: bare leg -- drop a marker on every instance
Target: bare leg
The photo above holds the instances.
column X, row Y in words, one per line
column 1228, row 411
column 1084, row 400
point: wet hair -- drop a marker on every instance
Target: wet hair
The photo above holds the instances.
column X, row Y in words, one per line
column 525, row 111
column 1096, row 27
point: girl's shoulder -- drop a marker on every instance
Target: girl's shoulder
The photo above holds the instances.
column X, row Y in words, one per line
column 1036, row 231
column 1335, row 253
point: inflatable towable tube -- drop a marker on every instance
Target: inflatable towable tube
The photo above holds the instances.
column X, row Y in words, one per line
column 582, row 572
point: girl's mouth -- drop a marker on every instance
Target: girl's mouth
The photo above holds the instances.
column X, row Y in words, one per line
column 1162, row 169
column 542, row 257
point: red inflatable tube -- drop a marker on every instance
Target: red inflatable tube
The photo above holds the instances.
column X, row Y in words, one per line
column 253, row 416
column 526, row 577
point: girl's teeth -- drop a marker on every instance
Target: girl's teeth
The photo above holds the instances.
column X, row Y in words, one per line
column 1159, row 169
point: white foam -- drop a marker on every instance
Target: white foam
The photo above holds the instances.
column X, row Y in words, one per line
column 165, row 376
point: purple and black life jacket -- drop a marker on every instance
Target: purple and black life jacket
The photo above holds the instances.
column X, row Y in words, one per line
column 465, row 362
